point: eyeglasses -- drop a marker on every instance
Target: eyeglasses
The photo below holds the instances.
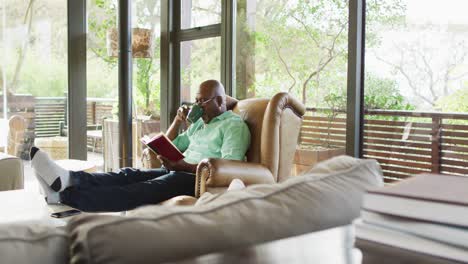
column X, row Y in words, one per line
column 202, row 102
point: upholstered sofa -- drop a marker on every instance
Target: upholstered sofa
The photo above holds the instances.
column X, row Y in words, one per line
column 329, row 195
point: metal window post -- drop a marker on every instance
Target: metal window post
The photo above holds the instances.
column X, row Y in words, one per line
column 166, row 61
column 355, row 104
column 76, row 13
column 125, row 83
column 228, row 46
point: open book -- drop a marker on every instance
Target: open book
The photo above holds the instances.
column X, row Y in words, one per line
column 162, row 145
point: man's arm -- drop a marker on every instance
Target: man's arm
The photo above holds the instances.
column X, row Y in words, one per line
column 180, row 118
column 180, row 165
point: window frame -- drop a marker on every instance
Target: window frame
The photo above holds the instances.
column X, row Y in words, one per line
column 172, row 35
column 77, row 89
column 171, row 38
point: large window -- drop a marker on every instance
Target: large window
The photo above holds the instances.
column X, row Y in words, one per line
column 198, row 13
column 33, row 68
column 102, row 85
column 416, row 87
column 102, row 79
column 199, row 61
column 416, row 75
column 298, row 47
column 198, row 46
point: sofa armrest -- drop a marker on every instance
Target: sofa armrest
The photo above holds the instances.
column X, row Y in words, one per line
column 220, row 173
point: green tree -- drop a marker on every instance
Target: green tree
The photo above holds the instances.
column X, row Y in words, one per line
column 146, row 70
column 380, row 93
column 384, row 93
column 301, row 46
column 455, row 102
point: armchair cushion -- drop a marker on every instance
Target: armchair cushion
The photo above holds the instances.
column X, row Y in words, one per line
column 217, row 173
column 233, row 219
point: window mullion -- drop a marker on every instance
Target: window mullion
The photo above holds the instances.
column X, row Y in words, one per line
column 355, row 93
column 228, row 45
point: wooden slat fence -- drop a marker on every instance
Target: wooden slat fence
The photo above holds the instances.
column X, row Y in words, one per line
column 404, row 142
column 50, row 112
column 96, row 111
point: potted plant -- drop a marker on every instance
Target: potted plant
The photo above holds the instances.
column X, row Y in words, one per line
column 307, row 156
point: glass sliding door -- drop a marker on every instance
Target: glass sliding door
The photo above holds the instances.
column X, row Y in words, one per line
column 298, row 47
column 34, row 79
column 102, row 86
column 416, row 87
column 199, row 46
column 102, row 79
column 198, row 13
column 146, row 73
column 199, row 61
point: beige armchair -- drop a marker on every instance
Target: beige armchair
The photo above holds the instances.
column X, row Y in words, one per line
column 274, row 126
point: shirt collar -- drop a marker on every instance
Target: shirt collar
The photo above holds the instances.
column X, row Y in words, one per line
column 222, row 116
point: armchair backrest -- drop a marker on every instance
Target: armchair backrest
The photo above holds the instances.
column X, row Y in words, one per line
column 274, row 127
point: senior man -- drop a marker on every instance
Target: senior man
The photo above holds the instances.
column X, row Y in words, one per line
column 217, row 134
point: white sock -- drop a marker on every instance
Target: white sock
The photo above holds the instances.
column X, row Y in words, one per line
column 52, row 197
column 236, row 184
column 49, row 171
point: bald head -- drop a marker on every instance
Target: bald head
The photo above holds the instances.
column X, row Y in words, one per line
column 212, row 90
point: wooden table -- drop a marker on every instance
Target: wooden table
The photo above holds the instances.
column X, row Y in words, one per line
column 331, row 246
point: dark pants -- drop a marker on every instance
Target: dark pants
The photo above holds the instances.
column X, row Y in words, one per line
column 125, row 190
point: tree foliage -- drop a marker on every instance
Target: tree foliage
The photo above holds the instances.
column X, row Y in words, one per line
column 456, row 102
column 301, row 46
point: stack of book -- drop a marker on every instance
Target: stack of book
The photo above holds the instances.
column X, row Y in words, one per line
column 426, row 214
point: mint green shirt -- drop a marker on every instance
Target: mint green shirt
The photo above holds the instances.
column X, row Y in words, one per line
column 226, row 136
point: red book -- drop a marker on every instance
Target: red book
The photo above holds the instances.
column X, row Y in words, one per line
column 162, row 145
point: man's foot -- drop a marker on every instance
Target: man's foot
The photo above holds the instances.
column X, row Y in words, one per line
column 54, row 176
column 51, row 196
column 33, row 151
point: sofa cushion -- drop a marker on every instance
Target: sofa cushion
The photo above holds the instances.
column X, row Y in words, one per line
column 256, row 214
column 334, row 165
column 32, row 242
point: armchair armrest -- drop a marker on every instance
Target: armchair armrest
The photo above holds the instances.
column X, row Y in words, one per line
column 220, row 173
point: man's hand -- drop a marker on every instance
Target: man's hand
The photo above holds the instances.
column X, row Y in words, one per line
column 180, row 165
column 180, row 118
column 182, row 113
